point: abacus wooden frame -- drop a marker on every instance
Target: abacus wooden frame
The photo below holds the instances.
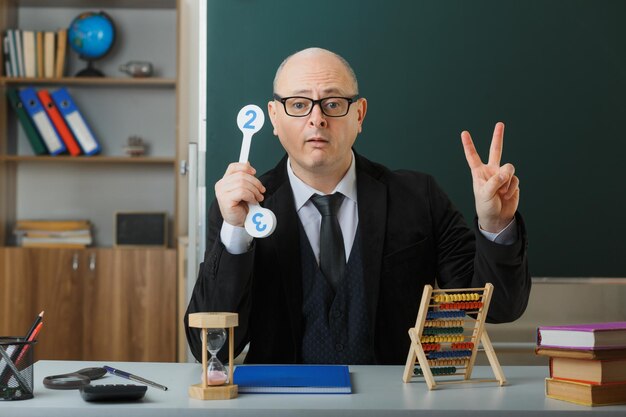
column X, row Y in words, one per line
column 479, row 334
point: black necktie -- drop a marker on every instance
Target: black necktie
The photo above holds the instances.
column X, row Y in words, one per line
column 332, row 251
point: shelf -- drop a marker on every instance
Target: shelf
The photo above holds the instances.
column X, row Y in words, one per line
column 134, row 4
column 91, row 159
column 92, row 81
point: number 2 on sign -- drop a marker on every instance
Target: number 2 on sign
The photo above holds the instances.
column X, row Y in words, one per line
column 248, row 124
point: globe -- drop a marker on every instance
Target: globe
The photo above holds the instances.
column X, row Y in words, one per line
column 91, row 35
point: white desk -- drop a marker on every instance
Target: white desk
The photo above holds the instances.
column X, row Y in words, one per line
column 377, row 391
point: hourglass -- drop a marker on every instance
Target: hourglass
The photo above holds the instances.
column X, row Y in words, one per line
column 216, row 373
column 216, row 378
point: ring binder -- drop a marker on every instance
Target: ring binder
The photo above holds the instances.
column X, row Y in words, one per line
column 75, row 121
column 41, row 120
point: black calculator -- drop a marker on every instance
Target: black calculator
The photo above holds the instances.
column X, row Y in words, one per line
column 111, row 392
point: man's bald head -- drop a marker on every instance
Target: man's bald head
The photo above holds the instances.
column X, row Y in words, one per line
column 312, row 52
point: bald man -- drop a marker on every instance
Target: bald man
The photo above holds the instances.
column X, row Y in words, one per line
column 396, row 231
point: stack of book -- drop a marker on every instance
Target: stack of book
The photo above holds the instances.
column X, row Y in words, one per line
column 75, row 234
column 34, row 54
column 587, row 362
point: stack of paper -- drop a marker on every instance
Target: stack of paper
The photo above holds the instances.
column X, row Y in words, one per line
column 53, row 233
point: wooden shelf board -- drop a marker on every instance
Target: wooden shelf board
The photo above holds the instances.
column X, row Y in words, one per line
column 90, row 159
column 134, row 4
column 91, row 81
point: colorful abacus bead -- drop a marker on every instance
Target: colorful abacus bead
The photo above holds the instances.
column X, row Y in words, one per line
column 449, row 354
column 441, row 370
column 462, row 345
column 431, row 347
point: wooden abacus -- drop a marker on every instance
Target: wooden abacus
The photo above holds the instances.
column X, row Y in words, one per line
column 439, row 340
column 206, row 321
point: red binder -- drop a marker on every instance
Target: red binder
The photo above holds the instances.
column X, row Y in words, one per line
column 59, row 122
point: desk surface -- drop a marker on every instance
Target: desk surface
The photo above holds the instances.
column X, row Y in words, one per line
column 377, row 391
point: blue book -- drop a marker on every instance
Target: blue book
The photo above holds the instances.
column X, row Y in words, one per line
column 293, row 379
column 76, row 122
column 40, row 118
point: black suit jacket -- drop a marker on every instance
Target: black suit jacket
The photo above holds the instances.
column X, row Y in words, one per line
column 411, row 235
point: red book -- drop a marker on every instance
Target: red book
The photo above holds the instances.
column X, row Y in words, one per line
column 59, row 123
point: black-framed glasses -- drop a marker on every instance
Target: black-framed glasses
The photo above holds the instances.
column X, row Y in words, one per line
column 298, row 106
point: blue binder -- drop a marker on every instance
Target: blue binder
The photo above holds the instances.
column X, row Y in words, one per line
column 293, row 379
column 76, row 122
column 40, row 118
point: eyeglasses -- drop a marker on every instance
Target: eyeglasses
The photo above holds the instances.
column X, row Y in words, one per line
column 303, row 106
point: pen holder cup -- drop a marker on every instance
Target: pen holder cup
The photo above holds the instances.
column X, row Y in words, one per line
column 16, row 369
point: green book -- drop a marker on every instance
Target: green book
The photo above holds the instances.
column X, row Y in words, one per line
column 27, row 124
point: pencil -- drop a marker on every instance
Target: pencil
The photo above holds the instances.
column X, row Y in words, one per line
column 33, row 337
column 32, row 328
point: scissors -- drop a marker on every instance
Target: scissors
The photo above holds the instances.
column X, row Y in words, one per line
column 73, row 380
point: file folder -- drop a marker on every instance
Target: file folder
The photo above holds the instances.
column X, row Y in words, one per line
column 59, row 122
column 36, row 142
column 41, row 120
column 76, row 122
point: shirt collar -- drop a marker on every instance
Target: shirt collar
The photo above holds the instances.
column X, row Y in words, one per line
column 302, row 192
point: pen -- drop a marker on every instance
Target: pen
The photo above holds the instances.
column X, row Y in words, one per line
column 134, row 378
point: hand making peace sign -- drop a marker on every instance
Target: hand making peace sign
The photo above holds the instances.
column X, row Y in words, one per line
column 496, row 188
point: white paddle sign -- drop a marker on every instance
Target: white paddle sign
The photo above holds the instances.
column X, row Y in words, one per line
column 260, row 222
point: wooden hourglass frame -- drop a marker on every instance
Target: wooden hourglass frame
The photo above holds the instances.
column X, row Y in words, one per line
column 204, row 321
column 438, row 342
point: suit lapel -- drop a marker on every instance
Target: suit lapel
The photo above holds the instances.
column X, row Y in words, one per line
column 372, row 195
column 286, row 243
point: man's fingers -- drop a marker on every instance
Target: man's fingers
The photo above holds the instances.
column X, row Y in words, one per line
column 495, row 151
column 473, row 159
column 244, row 183
column 506, row 172
column 239, row 185
column 513, row 188
column 492, row 186
column 246, row 195
column 239, row 167
column 499, row 182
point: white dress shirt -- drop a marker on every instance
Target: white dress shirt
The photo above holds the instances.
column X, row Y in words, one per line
column 237, row 241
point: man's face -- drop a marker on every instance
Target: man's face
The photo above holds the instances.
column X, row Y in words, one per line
column 316, row 144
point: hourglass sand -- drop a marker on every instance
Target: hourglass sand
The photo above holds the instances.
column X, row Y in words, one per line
column 217, row 382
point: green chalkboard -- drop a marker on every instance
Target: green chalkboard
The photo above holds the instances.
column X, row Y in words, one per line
column 553, row 71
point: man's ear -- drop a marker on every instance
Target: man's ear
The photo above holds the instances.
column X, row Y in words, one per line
column 361, row 111
column 271, row 111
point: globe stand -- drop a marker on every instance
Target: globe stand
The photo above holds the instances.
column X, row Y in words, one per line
column 204, row 321
column 90, row 71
